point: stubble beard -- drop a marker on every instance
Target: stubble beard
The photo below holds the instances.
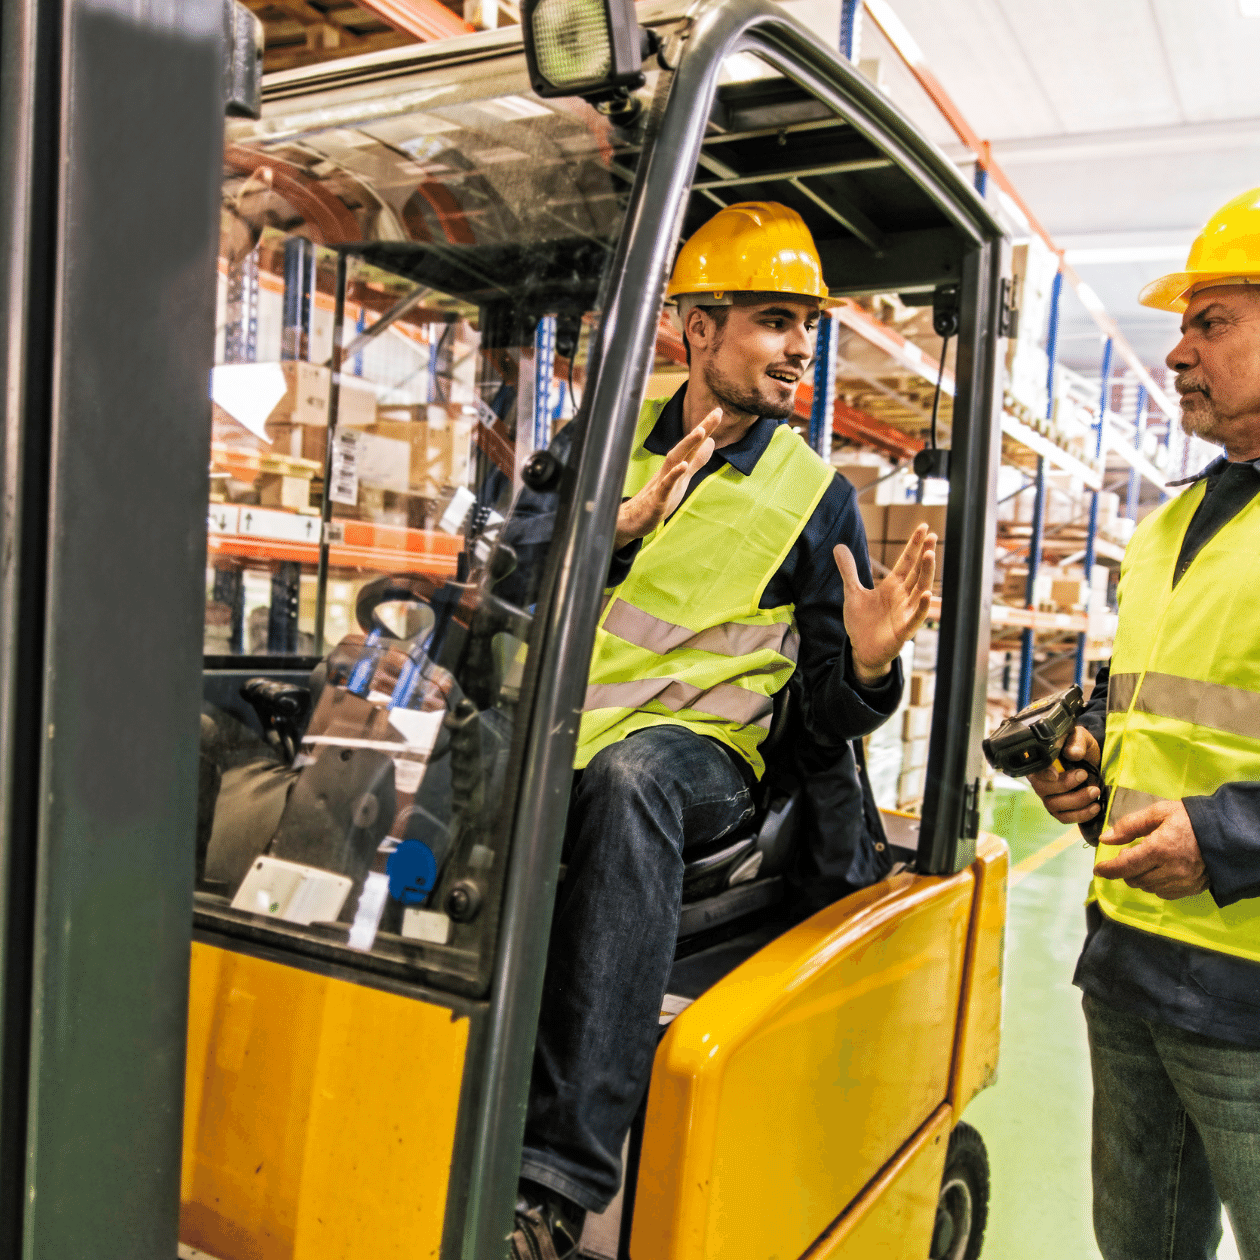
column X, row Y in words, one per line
column 1201, row 420
column 746, row 401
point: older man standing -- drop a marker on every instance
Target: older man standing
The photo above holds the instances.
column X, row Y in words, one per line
column 1171, row 964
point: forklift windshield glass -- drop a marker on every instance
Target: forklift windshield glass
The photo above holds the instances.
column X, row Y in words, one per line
column 406, row 299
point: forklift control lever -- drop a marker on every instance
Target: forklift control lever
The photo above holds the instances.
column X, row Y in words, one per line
column 282, row 710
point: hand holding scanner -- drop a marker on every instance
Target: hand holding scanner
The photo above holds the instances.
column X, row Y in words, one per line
column 1033, row 740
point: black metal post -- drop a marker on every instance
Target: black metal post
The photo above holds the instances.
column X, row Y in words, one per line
column 334, row 400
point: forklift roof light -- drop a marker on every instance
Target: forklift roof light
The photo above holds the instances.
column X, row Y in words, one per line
column 589, row 48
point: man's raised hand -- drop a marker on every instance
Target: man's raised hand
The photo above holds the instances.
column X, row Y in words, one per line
column 880, row 622
column 642, row 513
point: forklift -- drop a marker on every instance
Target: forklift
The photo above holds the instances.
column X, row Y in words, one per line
column 476, row 235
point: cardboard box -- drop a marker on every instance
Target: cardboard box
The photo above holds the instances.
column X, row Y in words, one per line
column 861, row 475
column 384, row 463
column 277, row 490
column 916, row 722
column 914, row 753
column 922, row 687
column 874, row 521
column 904, row 518
column 306, row 398
column 301, row 441
column 910, row 786
column 439, row 448
column 1069, row 593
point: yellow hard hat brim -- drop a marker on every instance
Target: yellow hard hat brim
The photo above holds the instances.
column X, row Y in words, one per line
column 1172, row 292
column 827, row 302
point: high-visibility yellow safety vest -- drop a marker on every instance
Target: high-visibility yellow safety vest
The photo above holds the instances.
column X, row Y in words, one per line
column 683, row 640
column 1183, row 703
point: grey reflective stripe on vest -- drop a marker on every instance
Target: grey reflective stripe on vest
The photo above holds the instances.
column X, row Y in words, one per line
column 1125, row 801
column 1223, row 708
column 732, row 704
column 731, row 639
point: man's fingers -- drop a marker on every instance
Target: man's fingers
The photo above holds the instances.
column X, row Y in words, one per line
column 1051, row 783
column 1131, row 864
column 1078, row 748
column 911, row 553
column 1140, row 823
column 685, row 450
column 1082, row 801
column 920, row 615
column 927, row 566
column 848, row 568
column 703, row 454
column 1074, row 816
column 1139, row 860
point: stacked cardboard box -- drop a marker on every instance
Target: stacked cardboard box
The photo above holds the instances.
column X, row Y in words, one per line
column 916, row 721
column 1056, row 589
column 884, row 746
column 888, row 529
column 298, row 423
column 439, row 437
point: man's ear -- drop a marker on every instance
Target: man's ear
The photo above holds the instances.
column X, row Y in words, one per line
column 697, row 327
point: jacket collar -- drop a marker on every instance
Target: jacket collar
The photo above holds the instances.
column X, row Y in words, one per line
column 742, row 455
column 1214, row 469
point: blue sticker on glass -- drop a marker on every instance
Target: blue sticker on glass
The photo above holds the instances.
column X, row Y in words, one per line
column 412, row 871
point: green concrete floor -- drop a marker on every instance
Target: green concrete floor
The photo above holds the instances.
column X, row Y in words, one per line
column 1035, row 1120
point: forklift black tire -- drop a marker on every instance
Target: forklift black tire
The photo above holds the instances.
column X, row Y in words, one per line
column 962, row 1211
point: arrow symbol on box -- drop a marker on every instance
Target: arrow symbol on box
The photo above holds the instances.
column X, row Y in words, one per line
column 249, row 516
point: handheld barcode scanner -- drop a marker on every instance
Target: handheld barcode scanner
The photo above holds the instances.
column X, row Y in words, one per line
column 1032, row 740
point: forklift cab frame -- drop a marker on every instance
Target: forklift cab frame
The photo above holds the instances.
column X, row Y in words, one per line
column 294, row 1146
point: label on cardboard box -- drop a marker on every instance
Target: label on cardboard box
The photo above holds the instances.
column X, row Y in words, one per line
column 384, row 462
column 223, row 519
column 269, row 523
column 345, row 468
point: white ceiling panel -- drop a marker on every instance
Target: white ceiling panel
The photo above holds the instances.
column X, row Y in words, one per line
column 981, row 61
column 1214, row 52
column 1117, row 120
column 1137, row 193
column 1080, row 65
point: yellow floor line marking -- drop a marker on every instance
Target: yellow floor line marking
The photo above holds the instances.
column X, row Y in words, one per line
column 1022, row 870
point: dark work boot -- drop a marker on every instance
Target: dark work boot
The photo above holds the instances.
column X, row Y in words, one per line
column 548, row 1226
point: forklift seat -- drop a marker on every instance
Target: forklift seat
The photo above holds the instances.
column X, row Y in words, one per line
column 741, row 873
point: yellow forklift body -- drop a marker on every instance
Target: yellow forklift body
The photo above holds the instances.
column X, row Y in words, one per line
column 980, row 1009
column 319, row 1114
column 896, row 1213
column 781, row 1094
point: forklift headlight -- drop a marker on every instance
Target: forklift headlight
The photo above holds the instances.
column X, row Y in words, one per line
column 590, row 48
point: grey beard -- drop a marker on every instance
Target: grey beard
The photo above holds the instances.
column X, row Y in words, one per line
column 749, row 402
column 1201, row 423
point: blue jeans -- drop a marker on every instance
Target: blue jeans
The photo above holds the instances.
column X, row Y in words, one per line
column 636, row 808
column 1176, row 1131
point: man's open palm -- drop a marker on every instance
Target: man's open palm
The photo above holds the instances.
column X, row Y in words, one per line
column 880, row 622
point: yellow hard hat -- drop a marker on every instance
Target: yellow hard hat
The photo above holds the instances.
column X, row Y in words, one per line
column 1227, row 251
column 757, row 246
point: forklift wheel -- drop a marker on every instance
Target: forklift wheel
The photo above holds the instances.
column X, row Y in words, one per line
column 963, row 1208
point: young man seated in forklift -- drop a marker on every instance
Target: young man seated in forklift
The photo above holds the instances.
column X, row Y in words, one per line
column 740, row 557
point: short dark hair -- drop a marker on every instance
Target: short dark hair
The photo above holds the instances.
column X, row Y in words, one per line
column 716, row 313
